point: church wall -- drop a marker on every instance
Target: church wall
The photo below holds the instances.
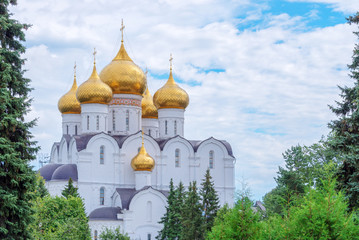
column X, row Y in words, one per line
column 147, row 208
column 71, row 124
column 94, row 118
column 150, row 127
column 63, row 156
column 175, row 121
column 54, row 157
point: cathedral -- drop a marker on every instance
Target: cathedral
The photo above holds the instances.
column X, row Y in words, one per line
column 121, row 147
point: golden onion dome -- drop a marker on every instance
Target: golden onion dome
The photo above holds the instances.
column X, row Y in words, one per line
column 148, row 108
column 171, row 95
column 123, row 75
column 94, row 90
column 142, row 161
column 68, row 103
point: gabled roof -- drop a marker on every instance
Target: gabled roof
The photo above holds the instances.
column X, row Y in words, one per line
column 105, row 213
column 53, row 171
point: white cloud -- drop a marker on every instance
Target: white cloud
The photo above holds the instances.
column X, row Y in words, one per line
column 346, row 6
column 273, row 92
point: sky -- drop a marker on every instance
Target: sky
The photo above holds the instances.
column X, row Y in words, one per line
column 260, row 73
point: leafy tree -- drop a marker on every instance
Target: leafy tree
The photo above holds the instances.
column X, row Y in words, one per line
column 40, row 189
column 60, row 218
column 240, row 222
column 70, row 190
column 322, row 214
column 113, row 234
column 345, row 130
column 210, row 201
column 192, row 219
column 16, row 148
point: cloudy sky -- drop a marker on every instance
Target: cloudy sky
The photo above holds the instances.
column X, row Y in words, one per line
column 260, row 73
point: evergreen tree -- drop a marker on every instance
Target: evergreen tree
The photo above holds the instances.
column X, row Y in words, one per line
column 177, row 209
column 40, row 189
column 210, row 201
column 345, row 130
column 192, row 219
column 70, row 190
column 16, row 148
column 168, row 219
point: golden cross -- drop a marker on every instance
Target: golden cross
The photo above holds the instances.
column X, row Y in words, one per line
column 171, row 58
column 94, row 56
column 122, row 28
column 75, row 69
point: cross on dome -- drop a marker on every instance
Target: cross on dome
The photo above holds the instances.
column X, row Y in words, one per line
column 94, row 56
column 122, row 28
column 171, row 58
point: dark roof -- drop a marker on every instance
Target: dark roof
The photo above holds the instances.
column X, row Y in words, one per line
column 47, row 170
column 82, row 141
column 127, row 194
column 105, row 213
column 67, row 139
column 65, row 172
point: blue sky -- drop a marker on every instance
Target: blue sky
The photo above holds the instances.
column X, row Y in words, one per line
column 260, row 74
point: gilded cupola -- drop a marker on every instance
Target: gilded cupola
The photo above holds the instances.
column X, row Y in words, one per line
column 123, row 75
column 142, row 161
column 171, row 95
column 68, row 103
column 94, row 90
column 148, row 108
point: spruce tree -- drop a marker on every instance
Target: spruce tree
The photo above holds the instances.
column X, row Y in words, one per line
column 70, row 190
column 177, row 209
column 192, row 219
column 17, row 179
column 210, row 201
column 345, row 130
column 167, row 219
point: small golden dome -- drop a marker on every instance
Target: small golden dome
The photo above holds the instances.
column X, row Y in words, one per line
column 68, row 103
column 148, row 108
column 94, row 90
column 142, row 161
column 171, row 95
column 123, row 75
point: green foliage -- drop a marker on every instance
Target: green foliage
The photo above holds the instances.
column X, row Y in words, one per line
column 60, row 218
column 210, row 201
column 113, row 234
column 240, row 222
column 16, row 148
column 192, row 219
column 345, row 130
column 70, row 190
column 303, row 167
column 40, row 189
column 322, row 214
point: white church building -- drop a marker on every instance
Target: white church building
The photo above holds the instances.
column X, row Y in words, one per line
column 121, row 173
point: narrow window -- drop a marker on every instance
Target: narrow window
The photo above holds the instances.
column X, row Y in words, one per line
column 76, row 130
column 102, row 196
column 166, row 127
column 88, row 122
column 127, row 120
column 149, row 132
column 149, row 211
column 149, row 236
column 175, row 127
column 67, row 129
column 177, row 157
column 97, row 122
column 95, row 235
column 211, row 162
column 113, row 120
column 102, row 154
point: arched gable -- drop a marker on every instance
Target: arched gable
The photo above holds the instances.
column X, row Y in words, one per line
column 63, row 150
column 178, row 140
column 54, row 157
column 226, row 153
column 73, row 153
column 145, row 195
column 101, row 139
column 150, row 143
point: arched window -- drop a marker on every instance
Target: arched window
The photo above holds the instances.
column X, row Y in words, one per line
column 102, row 155
column 97, row 122
column 95, row 235
column 166, row 127
column 88, row 122
column 113, row 120
column 102, row 196
column 175, row 127
column 76, row 130
column 127, row 120
column 149, row 132
column 149, row 211
column 67, row 129
column 177, row 157
column 211, row 159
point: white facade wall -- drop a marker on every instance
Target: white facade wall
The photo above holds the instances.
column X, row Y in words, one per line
column 150, row 127
column 125, row 114
column 171, row 122
column 71, row 124
column 94, row 118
